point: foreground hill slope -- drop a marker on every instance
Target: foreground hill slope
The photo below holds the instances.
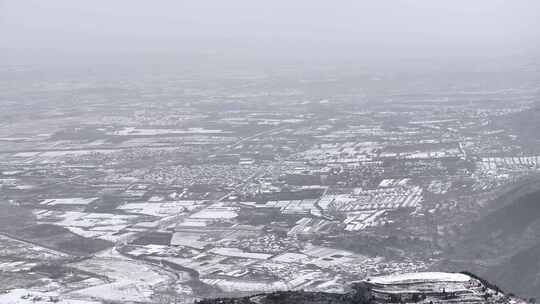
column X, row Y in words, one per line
column 504, row 245
column 427, row 287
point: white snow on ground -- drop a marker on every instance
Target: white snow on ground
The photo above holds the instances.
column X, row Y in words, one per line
column 22, row 296
column 417, row 277
column 188, row 239
column 216, row 211
column 59, row 153
column 149, row 132
column 235, row 252
column 26, row 154
column 68, row 201
column 92, row 225
column 195, row 222
column 84, row 219
column 155, row 209
column 133, row 280
column 290, row 257
column 245, row 286
column 12, row 247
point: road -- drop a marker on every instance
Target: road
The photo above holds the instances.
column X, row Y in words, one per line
column 236, row 144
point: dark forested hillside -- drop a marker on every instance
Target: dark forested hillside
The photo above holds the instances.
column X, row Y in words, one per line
column 504, row 245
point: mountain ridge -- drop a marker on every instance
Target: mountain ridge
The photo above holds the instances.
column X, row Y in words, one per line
column 426, row 287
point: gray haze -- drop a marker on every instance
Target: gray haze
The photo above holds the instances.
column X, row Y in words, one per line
column 318, row 28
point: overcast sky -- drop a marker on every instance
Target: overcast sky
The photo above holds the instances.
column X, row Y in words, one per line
column 332, row 27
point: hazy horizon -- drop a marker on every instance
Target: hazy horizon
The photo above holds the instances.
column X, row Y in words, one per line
column 313, row 31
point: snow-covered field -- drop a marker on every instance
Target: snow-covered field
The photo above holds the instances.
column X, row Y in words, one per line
column 68, row 201
column 235, row 252
column 16, row 266
column 131, row 131
column 86, row 220
column 188, row 239
column 245, row 286
column 92, row 225
column 326, row 257
column 17, row 248
column 216, row 211
column 23, row 296
column 290, row 257
column 419, row 277
column 132, row 280
column 153, row 208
